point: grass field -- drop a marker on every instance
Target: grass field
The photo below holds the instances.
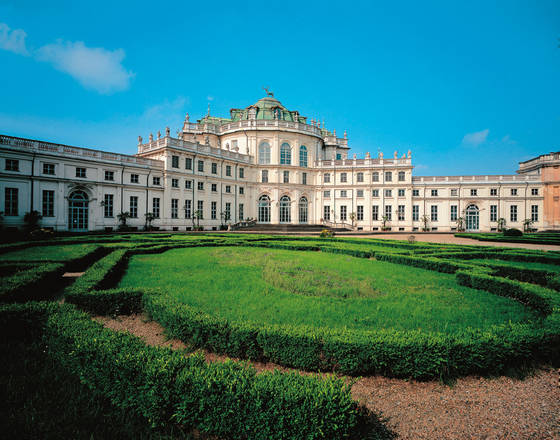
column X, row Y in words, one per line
column 319, row 290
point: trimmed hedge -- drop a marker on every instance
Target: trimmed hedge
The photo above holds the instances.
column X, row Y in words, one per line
column 36, row 283
column 228, row 400
column 430, row 263
column 535, row 297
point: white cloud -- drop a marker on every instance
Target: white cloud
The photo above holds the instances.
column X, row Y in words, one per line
column 94, row 67
column 13, row 40
column 476, row 138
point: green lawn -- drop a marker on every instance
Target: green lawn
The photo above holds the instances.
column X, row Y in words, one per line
column 318, row 289
column 60, row 253
column 519, row 264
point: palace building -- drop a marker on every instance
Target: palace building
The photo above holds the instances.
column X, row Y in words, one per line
column 267, row 163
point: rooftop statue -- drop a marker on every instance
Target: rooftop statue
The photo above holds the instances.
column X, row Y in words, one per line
column 268, row 92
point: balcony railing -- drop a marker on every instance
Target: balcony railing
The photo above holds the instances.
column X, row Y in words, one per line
column 70, row 151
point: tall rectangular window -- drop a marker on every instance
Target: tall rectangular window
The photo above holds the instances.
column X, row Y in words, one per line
column 401, row 176
column 375, row 212
column 389, row 212
column 48, row 168
column 156, row 181
column 200, row 166
column 535, row 213
column 175, row 183
column 327, row 194
column 11, row 202
column 534, row 192
column 241, row 190
column 388, row 176
column 12, row 165
column 493, row 191
column 360, row 193
column 200, row 186
column 188, row 163
column 343, row 213
column 228, row 170
column 241, row 213
column 134, row 178
column 174, row 208
column 388, row 193
column 434, row 213
column 133, row 206
column 360, row 213
column 375, row 193
column 400, row 211
column 228, row 188
column 360, row 177
column 343, row 177
column 213, row 210
column 401, row 193
column 80, row 172
column 453, row 213
column 416, row 192
column 188, row 184
column 264, row 176
column 175, row 161
column 228, row 212
column 214, row 168
column 155, row 207
column 434, row 193
column 327, row 178
column 286, row 175
column 304, row 178
column 375, row 176
column 514, row 191
column 48, row 203
column 415, row 213
column 200, row 209
column 493, row 213
column 513, row 213
column 214, row 187
column 188, row 208
column 241, row 173
column 326, row 212
column 108, row 202
column 343, row 193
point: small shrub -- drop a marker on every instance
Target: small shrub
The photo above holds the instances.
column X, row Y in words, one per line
column 512, row 232
column 326, row 233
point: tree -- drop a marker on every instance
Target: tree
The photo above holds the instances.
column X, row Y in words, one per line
column 501, row 224
column 527, row 225
column 197, row 215
column 384, row 221
column 425, row 220
column 353, row 218
column 150, row 217
column 123, row 216
column 31, row 220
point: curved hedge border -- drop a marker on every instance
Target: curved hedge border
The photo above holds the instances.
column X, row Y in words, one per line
column 414, row 354
column 165, row 387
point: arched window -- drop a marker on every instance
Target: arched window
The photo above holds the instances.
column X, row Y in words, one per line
column 264, row 153
column 471, row 218
column 303, row 210
column 78, row 203
column 263, row 209
column 285, row 154
column 303, row 156
column 285, row 215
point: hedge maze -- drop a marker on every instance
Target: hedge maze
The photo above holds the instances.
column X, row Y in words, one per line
column 174, row 393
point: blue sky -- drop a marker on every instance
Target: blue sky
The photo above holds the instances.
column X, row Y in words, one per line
column 469, row 87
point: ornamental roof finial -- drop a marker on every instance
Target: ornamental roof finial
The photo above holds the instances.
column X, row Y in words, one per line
column 268, row 92
column 345, row 135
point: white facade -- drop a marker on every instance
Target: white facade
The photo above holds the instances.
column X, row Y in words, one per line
column 264, row 162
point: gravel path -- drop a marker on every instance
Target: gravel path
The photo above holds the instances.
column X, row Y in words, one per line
column 473, row 408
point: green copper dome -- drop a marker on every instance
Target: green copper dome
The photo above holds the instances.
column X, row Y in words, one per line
column 266, row 108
